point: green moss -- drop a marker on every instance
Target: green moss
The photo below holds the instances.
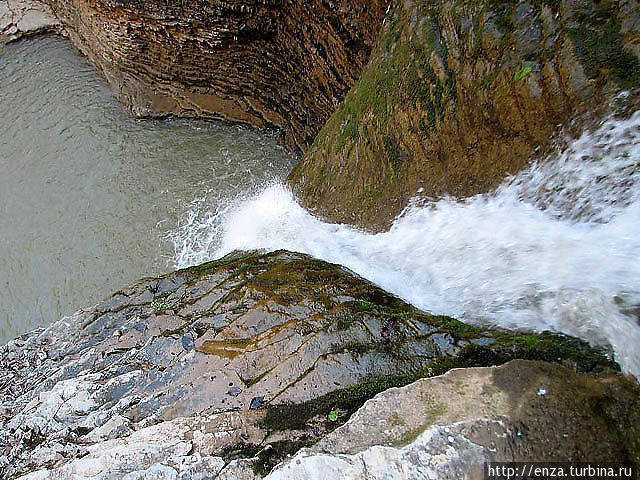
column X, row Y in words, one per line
column 601, row 52
column 456, row 328
column 207, row 267
column 503, row 19
column 552, row 347
column 545, row 346
column 526, row 69
column 399, row 72
column 428, row 124
column 161, row 306
column 378, row 310
column 444, row 324
column 346, row 401
column 394, row 153
column 371, row 195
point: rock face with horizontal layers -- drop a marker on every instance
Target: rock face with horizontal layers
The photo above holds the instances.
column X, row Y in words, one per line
column 460, row 93
column 239, row 357
column 269, row 63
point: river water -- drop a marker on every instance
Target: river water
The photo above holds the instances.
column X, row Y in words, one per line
column 88, row 194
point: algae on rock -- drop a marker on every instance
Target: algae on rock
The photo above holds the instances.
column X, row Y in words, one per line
column 458, row 94
column 262, row 346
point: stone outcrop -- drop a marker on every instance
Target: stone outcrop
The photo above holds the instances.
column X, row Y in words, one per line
column 456, row 95
column 270, row 63
column 244, row 357
column 521, row 411
column 460, row 93
column 20, row 18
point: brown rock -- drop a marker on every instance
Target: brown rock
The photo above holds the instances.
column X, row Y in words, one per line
column 458, row 94
column 270, row 63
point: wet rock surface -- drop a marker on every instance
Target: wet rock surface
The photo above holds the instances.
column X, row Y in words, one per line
column 242, row 357
column 270, row 63
column 516, row 412
column 20, row 18
column 459, row 94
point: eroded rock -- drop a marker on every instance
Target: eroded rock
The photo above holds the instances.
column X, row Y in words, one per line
column 447, row 427
column 240, row 357
column 459, row 94
column 270, row 63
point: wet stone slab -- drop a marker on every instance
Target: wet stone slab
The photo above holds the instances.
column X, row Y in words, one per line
column 204, row 352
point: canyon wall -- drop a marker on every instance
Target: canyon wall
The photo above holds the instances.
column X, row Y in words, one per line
column 270, row 63
column 458, row 94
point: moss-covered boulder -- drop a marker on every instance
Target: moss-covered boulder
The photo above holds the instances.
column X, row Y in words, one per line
column 262, row 347
column 459, row 93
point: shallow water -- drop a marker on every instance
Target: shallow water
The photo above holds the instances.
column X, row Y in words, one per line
column 87, row 193
column 556, row 247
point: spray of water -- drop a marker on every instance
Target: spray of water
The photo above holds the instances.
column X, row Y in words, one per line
column 556, row 247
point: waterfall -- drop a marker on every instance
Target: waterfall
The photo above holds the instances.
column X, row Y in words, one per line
column 556, row 247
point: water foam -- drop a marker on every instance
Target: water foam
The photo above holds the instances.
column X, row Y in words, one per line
column 556, row 247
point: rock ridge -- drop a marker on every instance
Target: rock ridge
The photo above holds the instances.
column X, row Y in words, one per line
column 240, row 358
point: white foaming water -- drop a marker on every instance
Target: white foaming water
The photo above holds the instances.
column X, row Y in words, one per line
column 556, row 247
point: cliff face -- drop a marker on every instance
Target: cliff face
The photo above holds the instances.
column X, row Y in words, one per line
column 270, row 63
column 460, row 93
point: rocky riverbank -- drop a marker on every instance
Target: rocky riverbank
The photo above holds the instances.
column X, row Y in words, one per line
column 235, row 364
column 277, row 365
column 270, row 63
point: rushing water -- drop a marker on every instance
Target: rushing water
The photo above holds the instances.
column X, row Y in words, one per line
column 556, row 247
column 87, row 193
column 91, row 199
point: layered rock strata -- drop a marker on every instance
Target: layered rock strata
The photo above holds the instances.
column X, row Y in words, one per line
column 270, row 63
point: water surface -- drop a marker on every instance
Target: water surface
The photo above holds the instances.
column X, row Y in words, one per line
column 87, row 193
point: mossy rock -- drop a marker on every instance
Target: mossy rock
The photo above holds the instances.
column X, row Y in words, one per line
column 461, row 93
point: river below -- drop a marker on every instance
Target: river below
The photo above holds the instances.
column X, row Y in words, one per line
column 88, row 193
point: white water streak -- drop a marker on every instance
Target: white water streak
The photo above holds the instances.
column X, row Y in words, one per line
column 556, row 247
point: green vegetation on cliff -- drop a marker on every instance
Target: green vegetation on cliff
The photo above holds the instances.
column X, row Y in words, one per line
column 458, row 94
